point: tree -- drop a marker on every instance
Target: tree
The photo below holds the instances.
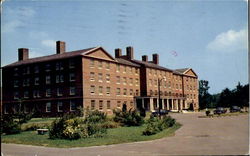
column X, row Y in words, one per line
column 204, row 96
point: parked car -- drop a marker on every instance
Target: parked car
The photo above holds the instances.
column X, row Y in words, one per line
column 162, row 112
column 235, row 109
column 220, row 110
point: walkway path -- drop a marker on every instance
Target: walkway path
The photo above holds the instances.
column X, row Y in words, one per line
column 197, row 136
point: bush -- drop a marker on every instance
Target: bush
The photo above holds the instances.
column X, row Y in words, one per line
column 155, row 125
column 207, row 112
column 130, row 118
column 95, row 116
column 110, row 124
column 34, row 126
column 9, row 125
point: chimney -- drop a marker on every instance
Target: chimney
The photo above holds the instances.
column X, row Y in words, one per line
column 118, row 53
column 130, row 53
column 23, row 54
column 155, row 59
column 145, row 58
column 60, row 47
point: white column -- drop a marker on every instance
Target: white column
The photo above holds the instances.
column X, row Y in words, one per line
column 151, row 104
column 157, row 103
column 163, row 104
column 167, row 104
column 177, row 104
column 172, row 101
column 181, row 103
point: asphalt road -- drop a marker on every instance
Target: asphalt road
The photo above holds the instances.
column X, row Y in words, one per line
column 197, row 136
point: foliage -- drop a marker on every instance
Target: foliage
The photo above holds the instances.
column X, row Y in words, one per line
column 9, row 125
column 155, row 125
column 72, row 127
column 34, row 126
column 207, row 113
column 110, row 124
column 128, row 118
column 204, row 96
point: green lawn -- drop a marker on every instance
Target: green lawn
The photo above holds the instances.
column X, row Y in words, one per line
column 113, row 136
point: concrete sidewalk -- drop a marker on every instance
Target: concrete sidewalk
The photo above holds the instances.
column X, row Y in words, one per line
column 198, row 136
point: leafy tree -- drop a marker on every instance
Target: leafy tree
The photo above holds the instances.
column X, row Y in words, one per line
column 204, row 96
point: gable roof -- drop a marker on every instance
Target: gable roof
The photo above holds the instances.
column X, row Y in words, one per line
column 185, row 70
column 150, row 65
column 54, row 57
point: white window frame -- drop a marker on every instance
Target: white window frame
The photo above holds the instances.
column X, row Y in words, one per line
column 100, row 77
column 48, row 79
column 92, row 76
column 108, row 78
column 48, row 90
column 92, row 105
column 36, row 81
column 100, row 90
column 58, row 106
column 92, row 90
column 48, row 105
column 71, row 102
column 59, row 92
column 71, row 89
column 108, row 91
column 72, row 75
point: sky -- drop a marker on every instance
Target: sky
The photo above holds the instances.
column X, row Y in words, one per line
column 209, row 36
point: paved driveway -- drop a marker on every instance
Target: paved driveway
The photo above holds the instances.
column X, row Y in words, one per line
column 197, row 136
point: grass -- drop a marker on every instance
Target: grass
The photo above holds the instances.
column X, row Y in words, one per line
column 113, row 136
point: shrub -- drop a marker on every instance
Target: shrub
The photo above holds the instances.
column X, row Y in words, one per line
column 34, row 126
column 207, row 112
column 9, row 125
column 155, row 125
column 128, row 118
column 110, row 124
column 95, row 116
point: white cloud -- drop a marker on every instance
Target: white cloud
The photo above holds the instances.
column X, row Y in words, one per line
column 33, row 54
column 229, row 41
column 16, row 17
column 49, row 43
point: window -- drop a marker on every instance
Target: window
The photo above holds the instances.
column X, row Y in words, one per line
column 28, row 70
column 71, row 64
column 119, row 104
column 150, row 71
column 100, row 77
column 48, row 79
column 16, row 95
column 72, row 91
column 136, row 71
column 26, row 94
column 150, row 82
column 36, row 69
column 137, row 92
column 169, row 84
column 118, row 79
column 108, row 90
column 48, row 92
column 100, row 105
column 15, row 71
column 156, row 92
column 48, row 107
column 107, row 65
column 47, row 67
column 26, row 82
column 108, row 105
column 117, row 68
column 59, row 106
column 59, row 66
column 100, row 90
column 36, row 82
column 100, row 64
column 131, row 92
column 130, row 69
column 165, row 84
column 72, row 77
column 59, row 91
column 61, row 78
column 151, row 92
column 72, row 105
column 180, row 86
column 57, row 78
column 176, row 86
column 130, row 81
column 124, row 91
column 131, row 103
column 125, row 69
column 92, row 89
column 187, row 87
column 107, row 77
column 118, row 91
column 92, row 63
column 92, row 76
column 155, row 82
column 124, row 80
column 16, row 83
column 136, row 82
column 92, row 104
column 36, row 94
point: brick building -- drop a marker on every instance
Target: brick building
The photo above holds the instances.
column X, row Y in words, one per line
column 92, row 78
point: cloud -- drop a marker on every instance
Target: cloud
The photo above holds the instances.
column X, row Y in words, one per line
column 49, row 43
column 33, row 54
column 17, row 17
column 229, row 41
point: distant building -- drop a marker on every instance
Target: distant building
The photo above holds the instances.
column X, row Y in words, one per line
column 92, row 78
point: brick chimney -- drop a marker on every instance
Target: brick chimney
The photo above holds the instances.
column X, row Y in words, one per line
column 60, row 47
column 144, row 58
column 23, row 54
column 155, row 58
column 130, row 53
column 118, row 53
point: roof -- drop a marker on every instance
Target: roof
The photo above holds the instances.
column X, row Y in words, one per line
column 53, row 57
column 126, row 62
column 151, row 65
column 183, row 70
